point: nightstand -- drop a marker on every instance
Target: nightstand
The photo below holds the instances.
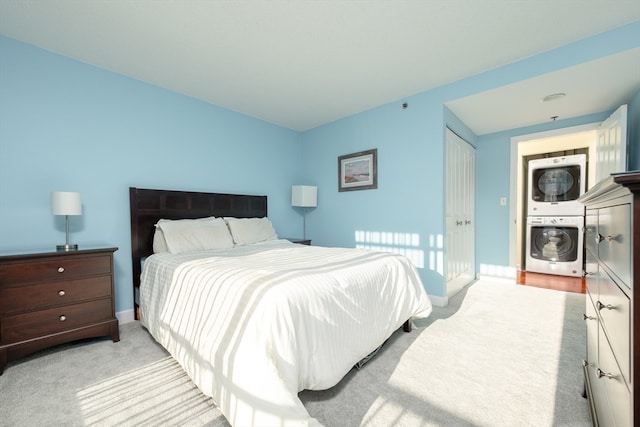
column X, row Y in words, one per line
column 49, row 298
column 299, row 241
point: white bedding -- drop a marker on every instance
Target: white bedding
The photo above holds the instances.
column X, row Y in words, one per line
column 254, row 325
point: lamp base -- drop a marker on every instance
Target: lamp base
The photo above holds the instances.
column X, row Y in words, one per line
column 67, row 247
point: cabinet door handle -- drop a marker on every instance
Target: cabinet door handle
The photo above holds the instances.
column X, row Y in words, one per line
column 63, row 318
column 599, row 238
column 610, row 238
column 61, row 293
column 585, row 317
column 458, row 222
column 600, row 373
column 600, row 306
column 467, row 221
column 60, row 269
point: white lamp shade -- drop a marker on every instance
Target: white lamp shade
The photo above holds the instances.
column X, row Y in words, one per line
column 66, row 203
column 304, row 196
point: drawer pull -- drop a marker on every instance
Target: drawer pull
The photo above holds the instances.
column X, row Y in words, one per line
column 600, row 306
column 61, row 293
column 585, row 317
column 60, row 269
column 600, row 373
column 586, row 364
column 63, row 318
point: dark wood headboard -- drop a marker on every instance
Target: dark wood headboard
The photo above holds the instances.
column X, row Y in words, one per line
column 148, row 206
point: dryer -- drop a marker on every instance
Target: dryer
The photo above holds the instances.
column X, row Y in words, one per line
column 555, row 245
column 554, row 185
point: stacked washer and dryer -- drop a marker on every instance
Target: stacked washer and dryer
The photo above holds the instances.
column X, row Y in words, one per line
column 555, row 219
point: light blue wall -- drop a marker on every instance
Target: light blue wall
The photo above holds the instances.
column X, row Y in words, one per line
column 67, row 126
column 402, row 203
column 410, row 145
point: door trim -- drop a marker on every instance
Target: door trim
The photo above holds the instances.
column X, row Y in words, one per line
column 523, row 145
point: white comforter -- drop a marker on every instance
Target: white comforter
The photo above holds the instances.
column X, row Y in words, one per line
column 255, row 325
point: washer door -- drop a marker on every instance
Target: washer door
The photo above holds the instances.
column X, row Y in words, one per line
column 550, row 243
column 557, row 184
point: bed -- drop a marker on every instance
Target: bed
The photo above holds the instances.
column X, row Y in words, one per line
column 256, row 321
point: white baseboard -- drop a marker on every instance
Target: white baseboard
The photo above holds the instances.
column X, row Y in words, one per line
column 439, row 301
column 125, row 316
column 501, row 279
column 497, row 271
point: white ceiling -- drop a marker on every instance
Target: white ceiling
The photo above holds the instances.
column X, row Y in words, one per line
column 300, row 64
column 592, row 87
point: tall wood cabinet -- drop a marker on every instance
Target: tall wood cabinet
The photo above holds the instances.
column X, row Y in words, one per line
column 612, row 312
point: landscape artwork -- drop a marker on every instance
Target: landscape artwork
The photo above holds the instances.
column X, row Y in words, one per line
column 358, row 171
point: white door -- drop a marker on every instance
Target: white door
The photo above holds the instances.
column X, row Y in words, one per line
column 611, row 146
column 460, row 209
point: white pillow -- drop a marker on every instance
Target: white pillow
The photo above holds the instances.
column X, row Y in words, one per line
column 188, row 235
column 159, row 243
column 251, row 230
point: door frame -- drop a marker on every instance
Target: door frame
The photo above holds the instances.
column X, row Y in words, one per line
column 535, row 143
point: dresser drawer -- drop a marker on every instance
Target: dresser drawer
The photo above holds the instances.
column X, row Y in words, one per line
column 591, row 272
column 591, row 323
column 614, row 308
column 591, row 230
column 615, row 407
column 39, row 323
column 614, row 250
column 34, row 297
column 55, row 268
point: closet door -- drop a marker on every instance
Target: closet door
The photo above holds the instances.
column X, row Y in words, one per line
column 611, row 148
column 460, row 208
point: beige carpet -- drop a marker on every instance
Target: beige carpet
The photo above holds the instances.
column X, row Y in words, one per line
column 499, row 355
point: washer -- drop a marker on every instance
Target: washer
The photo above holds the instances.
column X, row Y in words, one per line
column 555, row 245
column 554, row 185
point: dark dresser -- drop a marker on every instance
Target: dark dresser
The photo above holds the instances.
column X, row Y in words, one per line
column 49, row 298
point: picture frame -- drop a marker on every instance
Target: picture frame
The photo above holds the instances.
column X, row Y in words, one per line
column 358, row 171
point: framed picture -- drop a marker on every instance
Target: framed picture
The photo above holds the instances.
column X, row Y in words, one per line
column 358, row 171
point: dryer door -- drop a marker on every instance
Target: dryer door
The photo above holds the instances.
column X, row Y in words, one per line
column 556, row 184
column 549, row 243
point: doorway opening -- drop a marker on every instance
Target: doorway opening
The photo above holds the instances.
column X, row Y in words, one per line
column 560, row 142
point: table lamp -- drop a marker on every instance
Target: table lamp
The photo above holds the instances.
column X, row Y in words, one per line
column 66, row 203
column 304, row 196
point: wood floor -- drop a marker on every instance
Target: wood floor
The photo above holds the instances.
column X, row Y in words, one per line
column 551, row 281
